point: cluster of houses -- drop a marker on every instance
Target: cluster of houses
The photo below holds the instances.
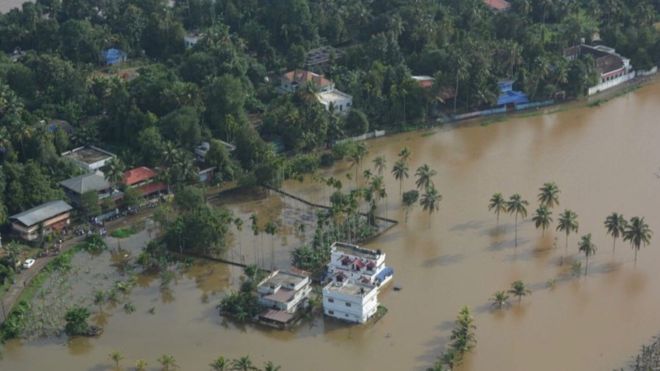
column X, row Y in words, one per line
column 355, row 276
column 330, row 97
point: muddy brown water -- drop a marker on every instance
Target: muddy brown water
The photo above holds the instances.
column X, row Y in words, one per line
column 604, row 159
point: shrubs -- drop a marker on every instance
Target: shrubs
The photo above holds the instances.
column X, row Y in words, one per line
column 15, row 322
column 76, row 321
column 243, row 305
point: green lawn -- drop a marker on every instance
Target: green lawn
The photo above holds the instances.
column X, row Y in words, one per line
column 123, row 232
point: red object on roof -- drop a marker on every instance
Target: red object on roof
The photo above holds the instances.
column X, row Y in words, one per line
column 359, row 264
column 499, row 5
column 138, row 175
column 371, row 265
column 152, row 188
column 346, row 260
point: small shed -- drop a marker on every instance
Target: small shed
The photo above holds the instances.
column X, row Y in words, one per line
column 509, row 97
column 114, row 56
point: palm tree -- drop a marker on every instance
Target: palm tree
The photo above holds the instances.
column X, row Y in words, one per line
column 400, row 172
column 116, row 357
column 499, row 299
column 270, row 366
column 567, row 223
column 242, row 364
column 542, row 218
column 404, row 154
column 549, row 195
column 168, row 362
column 638, row 233
column 220, row 364
column 497, row 204
column 356, row 156
column 409, row 200
column 518, row 289
column 115, row 171
column 516, row 205
column 141, row 365
column 379, row 164
column 12, row 251
column 424, row 174
column 430, row 201
column 271, row 229
column 588, row 248
column 615, row 224
column 255, row 233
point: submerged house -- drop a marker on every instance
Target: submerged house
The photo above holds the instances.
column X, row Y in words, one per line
column 613, row 69
column 350, row 301
column 283, row 294
column 42, row 220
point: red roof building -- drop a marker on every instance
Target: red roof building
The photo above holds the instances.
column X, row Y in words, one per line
column 292, row 80
column 138, row 176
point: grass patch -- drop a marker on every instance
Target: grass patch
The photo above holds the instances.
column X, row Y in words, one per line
column 123, row 232
column 61, row 263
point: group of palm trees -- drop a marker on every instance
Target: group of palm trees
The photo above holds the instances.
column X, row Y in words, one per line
column 168, row 363
column 518, row 289
column 636, row 231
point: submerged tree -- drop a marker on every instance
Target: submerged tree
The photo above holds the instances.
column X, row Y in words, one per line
column 638, row 233
column 379, row 164
column 499, row 299
column 116, row 357
column 518, row 289
column 424, row 174
column 430, row 201
column 462, row 339
column 567, row 223
column 588, row 248
column 168, row 362
column 400, row 172
column 497, row 204
column 549, row 195
column 615, row 224
column 409, row 200
column 542, row 218
column 517, row 206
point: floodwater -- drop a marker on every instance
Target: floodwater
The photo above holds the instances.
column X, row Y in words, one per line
column 604, row 159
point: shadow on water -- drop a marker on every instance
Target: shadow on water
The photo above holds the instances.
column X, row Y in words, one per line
column 509, row 244
column 497, row 231
column 443, row 260
column 471, row 225
column 79, row 345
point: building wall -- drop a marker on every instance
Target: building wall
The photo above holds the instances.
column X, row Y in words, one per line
column 611, row 83
column 348, row 307
column 32, row 233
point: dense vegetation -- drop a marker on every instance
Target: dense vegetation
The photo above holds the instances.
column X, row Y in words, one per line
column 224, row 87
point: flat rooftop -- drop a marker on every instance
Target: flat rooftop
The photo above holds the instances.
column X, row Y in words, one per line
column 88, row 155
column 350, row 288
column 355, row 250
column 333, row 96
column 283, row 279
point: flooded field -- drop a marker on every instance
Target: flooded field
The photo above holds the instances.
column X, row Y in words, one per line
column 604, row 159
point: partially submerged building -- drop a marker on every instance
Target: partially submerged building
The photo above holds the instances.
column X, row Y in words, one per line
column 509, row 97
column 89, row 158
column 356, row 276
column 42, row 220
column 613, row 69
column 283, row 295
column 350, row 301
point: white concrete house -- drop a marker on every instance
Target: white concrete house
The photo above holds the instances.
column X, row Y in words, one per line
column 613, row 69
column 350, row 301
column 284, row 291
column 89, row 158
column 359, row 264
column 335, row 100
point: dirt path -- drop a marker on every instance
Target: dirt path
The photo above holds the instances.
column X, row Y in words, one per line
column 23, row 279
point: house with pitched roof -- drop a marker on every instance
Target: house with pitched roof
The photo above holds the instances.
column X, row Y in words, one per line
column 145, row 180
column 291, row 81
column 42, row 220
column 613, row 69
column 75, row 187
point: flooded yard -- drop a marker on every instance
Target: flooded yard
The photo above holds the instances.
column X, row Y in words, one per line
column 604, row 159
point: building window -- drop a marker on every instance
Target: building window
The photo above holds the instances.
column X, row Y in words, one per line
column 331, row 300
column 331, row 312
column 348, row 304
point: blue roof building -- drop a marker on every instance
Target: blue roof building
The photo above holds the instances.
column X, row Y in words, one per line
column 508, row 96
column 113, row 56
